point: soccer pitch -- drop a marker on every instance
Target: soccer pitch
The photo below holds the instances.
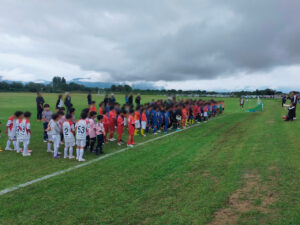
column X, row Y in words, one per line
column 240, row 168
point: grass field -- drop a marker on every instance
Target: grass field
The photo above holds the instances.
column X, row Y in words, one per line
column 240, row 168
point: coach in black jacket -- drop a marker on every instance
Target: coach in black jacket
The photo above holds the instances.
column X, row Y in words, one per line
column 294, row 100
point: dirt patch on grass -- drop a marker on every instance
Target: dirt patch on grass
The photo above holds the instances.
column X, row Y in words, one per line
column 253, row 195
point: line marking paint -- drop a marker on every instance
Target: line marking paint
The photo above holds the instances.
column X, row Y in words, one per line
column 46, row 177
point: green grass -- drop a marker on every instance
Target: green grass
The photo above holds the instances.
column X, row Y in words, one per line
column 184, row 178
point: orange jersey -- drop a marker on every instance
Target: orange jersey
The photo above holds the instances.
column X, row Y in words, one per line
column 137, row 115
column 184, row 113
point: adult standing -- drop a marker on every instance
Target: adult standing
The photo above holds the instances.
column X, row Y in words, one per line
column 130, row 99
column 294, row 103
column 89, row 98
column 242, row 102
column 59, row 102
column 284, row 98
column 106, row 99
column 126, row 99
column 39, row 103
column 138, row 100
column 112, row 100
column 68, row 102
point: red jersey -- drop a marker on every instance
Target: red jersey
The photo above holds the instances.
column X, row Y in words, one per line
column 100, row 111
column 131, row 121
column 105, row 120
column 144, row 117
column 93, row 109
column 112, row 116
column 120, row 121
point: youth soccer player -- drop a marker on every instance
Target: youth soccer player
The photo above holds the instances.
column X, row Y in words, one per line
column 54, row 134
column 69, row 131
column 131, row 124
column 25, row 127
column 106, row 124
column 143, row 122
column 167, row 120
column 81, row 133
column 120, row 126
column 92, row 130
column 19, row 131
column 11, row 131
column 137, row 116
column 112, row 122
column 46, row 117
column 93, row 107
column 100, row 132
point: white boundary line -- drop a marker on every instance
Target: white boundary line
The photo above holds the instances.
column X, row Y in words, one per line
column 14, row 188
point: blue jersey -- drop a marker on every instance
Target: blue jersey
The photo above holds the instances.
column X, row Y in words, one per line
column 167, row 116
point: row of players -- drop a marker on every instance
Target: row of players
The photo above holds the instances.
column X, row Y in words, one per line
column 91, row 129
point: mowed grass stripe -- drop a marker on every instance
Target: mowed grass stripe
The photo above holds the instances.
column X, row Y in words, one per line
column 125, row 180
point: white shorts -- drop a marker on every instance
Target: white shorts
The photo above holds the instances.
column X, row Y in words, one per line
column 50, row 137
column 144, row 124
column 11, row 135
column 69, row 143
column 56, row 140
column 137, row 124
column 81, row 142
column 205, row 114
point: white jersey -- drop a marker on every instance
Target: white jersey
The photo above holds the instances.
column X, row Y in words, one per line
column 81, row 129
column 20, row 129
column 23, row 129
column 11, row 127
column 68, row 131
column 54, row 128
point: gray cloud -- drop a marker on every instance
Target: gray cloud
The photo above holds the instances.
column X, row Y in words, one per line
column 151, row 40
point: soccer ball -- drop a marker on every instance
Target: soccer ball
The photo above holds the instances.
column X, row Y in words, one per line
column 284, row 117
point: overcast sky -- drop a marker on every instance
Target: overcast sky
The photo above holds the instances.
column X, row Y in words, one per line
column 201, row 44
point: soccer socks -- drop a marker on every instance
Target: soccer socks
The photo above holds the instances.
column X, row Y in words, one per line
column 81, row 154
column 66, row 152
column 15, row 145
column 25, row 150
column 77, row 153
column 70, row 152
column 8, row 144
column 142, row 132
column 55, row 151
column 48, row 147
column 18, row 146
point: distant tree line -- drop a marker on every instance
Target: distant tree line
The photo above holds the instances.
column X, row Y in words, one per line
column 59, row 84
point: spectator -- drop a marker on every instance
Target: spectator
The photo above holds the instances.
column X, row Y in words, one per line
column 39, row 103
column 112, row 100
column 68, row 102
column 138, row 100
column 59, row 102
column 126, row 99
column 106, row 99
column 130, row 99
column 89, row 98
column 284, row 98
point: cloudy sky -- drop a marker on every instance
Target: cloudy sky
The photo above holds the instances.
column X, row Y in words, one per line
column 192, row 44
